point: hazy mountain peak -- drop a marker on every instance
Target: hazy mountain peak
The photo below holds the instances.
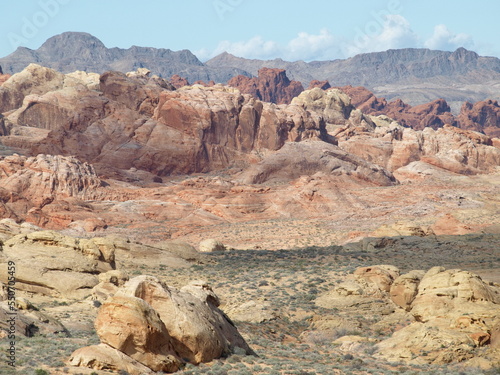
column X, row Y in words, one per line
column 72, row 51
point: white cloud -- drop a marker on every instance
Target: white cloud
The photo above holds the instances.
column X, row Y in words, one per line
column 305, row 46
column 444, row 39
column 391, row 31
column 254, row 48
column 308, row 47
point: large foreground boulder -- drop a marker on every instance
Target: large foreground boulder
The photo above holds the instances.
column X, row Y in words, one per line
column 160, row 327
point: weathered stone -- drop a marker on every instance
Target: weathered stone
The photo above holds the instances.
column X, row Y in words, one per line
column 209, row 245
column 271, row 85
column 64, row 266
column 130, row 325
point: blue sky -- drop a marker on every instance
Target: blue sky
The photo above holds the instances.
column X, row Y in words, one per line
column 299, row 30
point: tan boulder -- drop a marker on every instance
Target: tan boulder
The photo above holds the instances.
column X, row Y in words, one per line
column 455, row 312
column 253, row 311
column 161, row 327
column 50, row 263
column 130, row 325
column 405, row 288
column 429, row 342
column 109, row 283
column 382, row 276
column 456, row 292
column 104, row 357
column 204, row 331
column 209, row 245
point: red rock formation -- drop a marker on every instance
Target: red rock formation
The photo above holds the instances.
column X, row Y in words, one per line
column 482, row 116
column 365, row 100
column 435, row 114
column 178, row 81
column 272, row 85
column 323, row 85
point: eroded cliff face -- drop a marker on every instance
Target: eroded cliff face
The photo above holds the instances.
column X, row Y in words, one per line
column 271, row 85
column 139, row 122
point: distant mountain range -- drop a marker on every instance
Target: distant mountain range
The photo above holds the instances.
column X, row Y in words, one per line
column 72, row 51
column 414, row 75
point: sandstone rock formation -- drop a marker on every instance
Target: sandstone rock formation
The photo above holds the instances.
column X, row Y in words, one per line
column 227, row 124
column 454, row 312
column 271, row 85
column 435, row 114
column 324, row 85
column 177, row 81
column 336, row 109
column 36, row 80
column 449, row 148
column 140, row 113
column 28, row 185
column 483, row 116
column 57, row 265
column 91, row 80
column 160, row 327
column 43, row 178
column 134, row 131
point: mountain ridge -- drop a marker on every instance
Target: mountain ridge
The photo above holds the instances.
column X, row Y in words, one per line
column 415, row 75
column 72, row 51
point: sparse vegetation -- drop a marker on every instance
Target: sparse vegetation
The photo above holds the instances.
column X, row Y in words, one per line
column 289, row 281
